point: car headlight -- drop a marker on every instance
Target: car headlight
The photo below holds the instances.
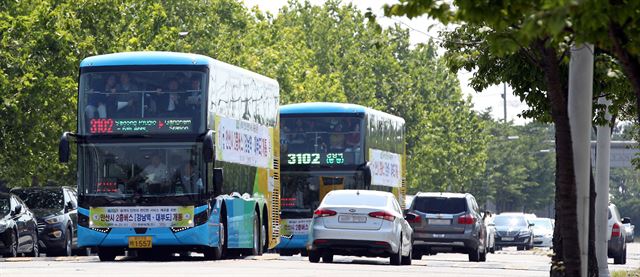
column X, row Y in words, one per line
column 524, row 233
column 53, row 220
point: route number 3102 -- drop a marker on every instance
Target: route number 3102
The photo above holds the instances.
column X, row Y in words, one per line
column 303, row 158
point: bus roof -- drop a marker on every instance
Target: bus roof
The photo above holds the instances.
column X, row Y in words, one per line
column 145, row 58
column 331, row 108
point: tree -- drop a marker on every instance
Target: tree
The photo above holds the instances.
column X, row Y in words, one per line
column 525, row 44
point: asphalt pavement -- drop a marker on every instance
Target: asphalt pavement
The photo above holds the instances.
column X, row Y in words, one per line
column 507, row 262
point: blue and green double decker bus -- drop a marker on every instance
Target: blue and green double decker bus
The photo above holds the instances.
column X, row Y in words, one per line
column 328, row 146
column 176, row 152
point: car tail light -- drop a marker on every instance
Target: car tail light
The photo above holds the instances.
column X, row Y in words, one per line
column 466, row 219
column 323, row 213
column 615, row 231
column 382, row 215
column 416, row 219
column 320, row 241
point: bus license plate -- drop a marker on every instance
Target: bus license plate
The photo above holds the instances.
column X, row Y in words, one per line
column 352, row 218
column 140, row 242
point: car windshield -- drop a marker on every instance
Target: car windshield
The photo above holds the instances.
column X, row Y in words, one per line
column 41, row 198
column 440, row 205
column 507, row 220
column 4, row 206
column 146, row 169
column 354, row 199
column 542, row 224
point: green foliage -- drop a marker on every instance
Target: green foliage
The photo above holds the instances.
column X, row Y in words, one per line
column 317, row 53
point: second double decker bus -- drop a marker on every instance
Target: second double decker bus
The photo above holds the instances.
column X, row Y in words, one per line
column 328, row 146
column 176, row 152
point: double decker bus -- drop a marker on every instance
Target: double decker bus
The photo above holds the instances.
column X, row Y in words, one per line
column 329, row 146
column 176, row 152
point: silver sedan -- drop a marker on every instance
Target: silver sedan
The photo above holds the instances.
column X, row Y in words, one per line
column 360, row 223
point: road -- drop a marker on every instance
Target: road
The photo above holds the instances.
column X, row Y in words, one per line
column 508, row 262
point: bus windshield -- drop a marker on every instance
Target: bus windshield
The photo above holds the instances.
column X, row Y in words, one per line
column 303, row 192
column 322, row 140
column 149, row 169
column 141, row 102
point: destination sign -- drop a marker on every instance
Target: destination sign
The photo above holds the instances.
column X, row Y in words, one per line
column 315, row 158
column 139, row 126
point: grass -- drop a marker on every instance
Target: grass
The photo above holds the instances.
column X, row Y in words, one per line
column 631, row 273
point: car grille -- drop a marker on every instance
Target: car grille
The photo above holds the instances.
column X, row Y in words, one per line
column 507, row 233
column 40, row 227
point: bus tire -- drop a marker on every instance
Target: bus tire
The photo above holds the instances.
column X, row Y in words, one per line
column 106, row 254
column 264, row 232
column 314, row 256
column 256, row 245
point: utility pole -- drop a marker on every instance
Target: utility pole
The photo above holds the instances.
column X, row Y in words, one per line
column 603, row 159
column 580, row 95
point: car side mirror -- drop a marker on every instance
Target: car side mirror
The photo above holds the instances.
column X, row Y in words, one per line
column 18, row 209
column 491, row 224
column 207, row 146
column 63, row 147
column 626, row 220
column 409, row 217
column 69, row 206
column 532, row 224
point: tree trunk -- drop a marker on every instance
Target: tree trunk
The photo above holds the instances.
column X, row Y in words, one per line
column 566, row 261
column 630, row 62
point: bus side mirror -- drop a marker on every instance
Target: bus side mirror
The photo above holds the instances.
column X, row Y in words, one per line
column 63, row 147
column 366, row 170
column 218, row 177
column 207, row 147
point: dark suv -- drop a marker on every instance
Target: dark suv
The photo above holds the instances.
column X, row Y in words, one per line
column 448, row 222
column 513, row 229
column 56, row 212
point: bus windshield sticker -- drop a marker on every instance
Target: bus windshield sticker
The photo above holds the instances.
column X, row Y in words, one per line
column 141, row 217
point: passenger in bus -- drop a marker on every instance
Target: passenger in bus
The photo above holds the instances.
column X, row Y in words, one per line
column 97, row 101
column 352, row 140
column 189, row 178
column 336, row 140
column 167, row 100
column 126, row 100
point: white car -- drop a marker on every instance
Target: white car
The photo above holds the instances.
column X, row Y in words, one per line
column 616, row 244
column 542, row 232
column 360, row 223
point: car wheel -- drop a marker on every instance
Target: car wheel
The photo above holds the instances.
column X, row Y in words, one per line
column 483, row 256
column 520, row 247
column 13, row 245
column 416, row 256
column 396, row 258
column 327, row 257
column 35, row 250
column 474, row 254
column 407, row 260
column 106, row 255
column 314, row 256
column 67, row 243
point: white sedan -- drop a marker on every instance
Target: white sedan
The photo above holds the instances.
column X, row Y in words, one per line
column 360, row 223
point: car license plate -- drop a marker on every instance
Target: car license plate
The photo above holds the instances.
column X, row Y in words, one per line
column 440, row 221
column 352, row 218
column 140, row 242
column 507, row 238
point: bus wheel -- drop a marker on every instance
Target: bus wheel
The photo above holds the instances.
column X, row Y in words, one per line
column 256, row 235
column 263, row 239
column 106, row 254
